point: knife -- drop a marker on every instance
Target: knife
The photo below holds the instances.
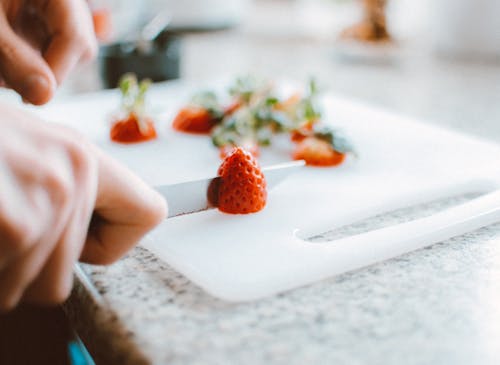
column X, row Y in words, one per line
column 196, row 196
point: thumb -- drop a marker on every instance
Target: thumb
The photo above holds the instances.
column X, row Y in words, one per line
column 24, row 69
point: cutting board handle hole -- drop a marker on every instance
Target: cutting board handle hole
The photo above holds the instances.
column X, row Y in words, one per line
column 387, row 219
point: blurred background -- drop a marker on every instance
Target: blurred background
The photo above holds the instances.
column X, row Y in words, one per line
column 463, row 26
column 435, row 59
column 237, row 33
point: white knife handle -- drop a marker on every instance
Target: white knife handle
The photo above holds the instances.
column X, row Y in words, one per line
column 361, row 250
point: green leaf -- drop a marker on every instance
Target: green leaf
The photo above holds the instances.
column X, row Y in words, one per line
column 272, row 101
column 259, row 119
column 127, row 82
column 208, row 100
column 144, row 86
column 133, row 93
column 336, row 139
column 245, row 88
column 264, row 137
column 313, row 87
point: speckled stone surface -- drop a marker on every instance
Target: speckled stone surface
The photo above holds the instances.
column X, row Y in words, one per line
column 439, row 305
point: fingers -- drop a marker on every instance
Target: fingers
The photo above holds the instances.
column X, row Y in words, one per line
column 53, row 198
column 73, row 38
column 21, row 272
column 30, row 197
column 52, row 184
column 22, row 68
column 53, row 284
column 63, row 190
column 126, row 209
column 37, row 58
column 44, row 275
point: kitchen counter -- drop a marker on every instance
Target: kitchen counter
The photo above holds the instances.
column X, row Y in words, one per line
column 440, row 305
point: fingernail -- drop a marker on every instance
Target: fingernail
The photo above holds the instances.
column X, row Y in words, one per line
column 36, row 89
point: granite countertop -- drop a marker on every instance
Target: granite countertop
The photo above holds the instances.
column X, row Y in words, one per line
column 437, row 305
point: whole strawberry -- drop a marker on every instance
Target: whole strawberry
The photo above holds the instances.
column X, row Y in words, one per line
column 242, row 187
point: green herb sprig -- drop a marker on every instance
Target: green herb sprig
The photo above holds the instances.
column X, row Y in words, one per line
column 134, row 98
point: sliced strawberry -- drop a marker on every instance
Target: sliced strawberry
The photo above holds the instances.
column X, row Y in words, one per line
column 317, row 152
column 194, row 119
column 132, row 130
column 298, row 135
column 304, row 131
column 289, row 103
column 242, row 187
column 136, row 126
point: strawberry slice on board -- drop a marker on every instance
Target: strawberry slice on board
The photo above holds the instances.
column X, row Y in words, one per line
column 133, row 125
column 242, row 188
column 303, row 131
column 317, row 152
column 132, row 130
column 201, row 115
column 194, row 119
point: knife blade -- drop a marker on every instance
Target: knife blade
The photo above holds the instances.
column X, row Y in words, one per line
column 195, row 196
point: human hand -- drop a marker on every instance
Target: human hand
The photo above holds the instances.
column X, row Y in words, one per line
column 62, row 199
column 41, row 41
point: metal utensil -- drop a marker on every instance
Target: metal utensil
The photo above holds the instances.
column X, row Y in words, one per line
column 194, row 196
column 143, row 42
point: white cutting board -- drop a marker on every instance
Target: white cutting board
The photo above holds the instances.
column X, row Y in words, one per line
column 237, row 258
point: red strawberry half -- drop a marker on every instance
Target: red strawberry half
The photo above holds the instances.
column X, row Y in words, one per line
column 194, row 119
column 242, row 187
column 132, row 130
column 317, row 152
